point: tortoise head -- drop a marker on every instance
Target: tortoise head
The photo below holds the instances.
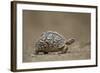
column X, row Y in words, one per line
column 70, row 41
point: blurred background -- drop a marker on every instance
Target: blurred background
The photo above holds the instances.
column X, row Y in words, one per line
column 70, row 25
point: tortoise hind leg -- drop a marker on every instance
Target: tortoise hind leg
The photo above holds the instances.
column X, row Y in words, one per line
column 36, row 52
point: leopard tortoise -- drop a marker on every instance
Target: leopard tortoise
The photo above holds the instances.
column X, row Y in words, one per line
column 51, row 41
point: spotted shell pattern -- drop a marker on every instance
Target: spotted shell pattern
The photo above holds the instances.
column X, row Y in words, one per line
column 50, row 41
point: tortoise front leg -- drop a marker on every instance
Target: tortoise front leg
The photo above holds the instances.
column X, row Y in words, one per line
column 65, row 49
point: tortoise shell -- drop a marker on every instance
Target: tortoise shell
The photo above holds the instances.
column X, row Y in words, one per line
column 50, row 41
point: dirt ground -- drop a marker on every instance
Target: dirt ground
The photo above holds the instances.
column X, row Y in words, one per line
column 74, row 53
